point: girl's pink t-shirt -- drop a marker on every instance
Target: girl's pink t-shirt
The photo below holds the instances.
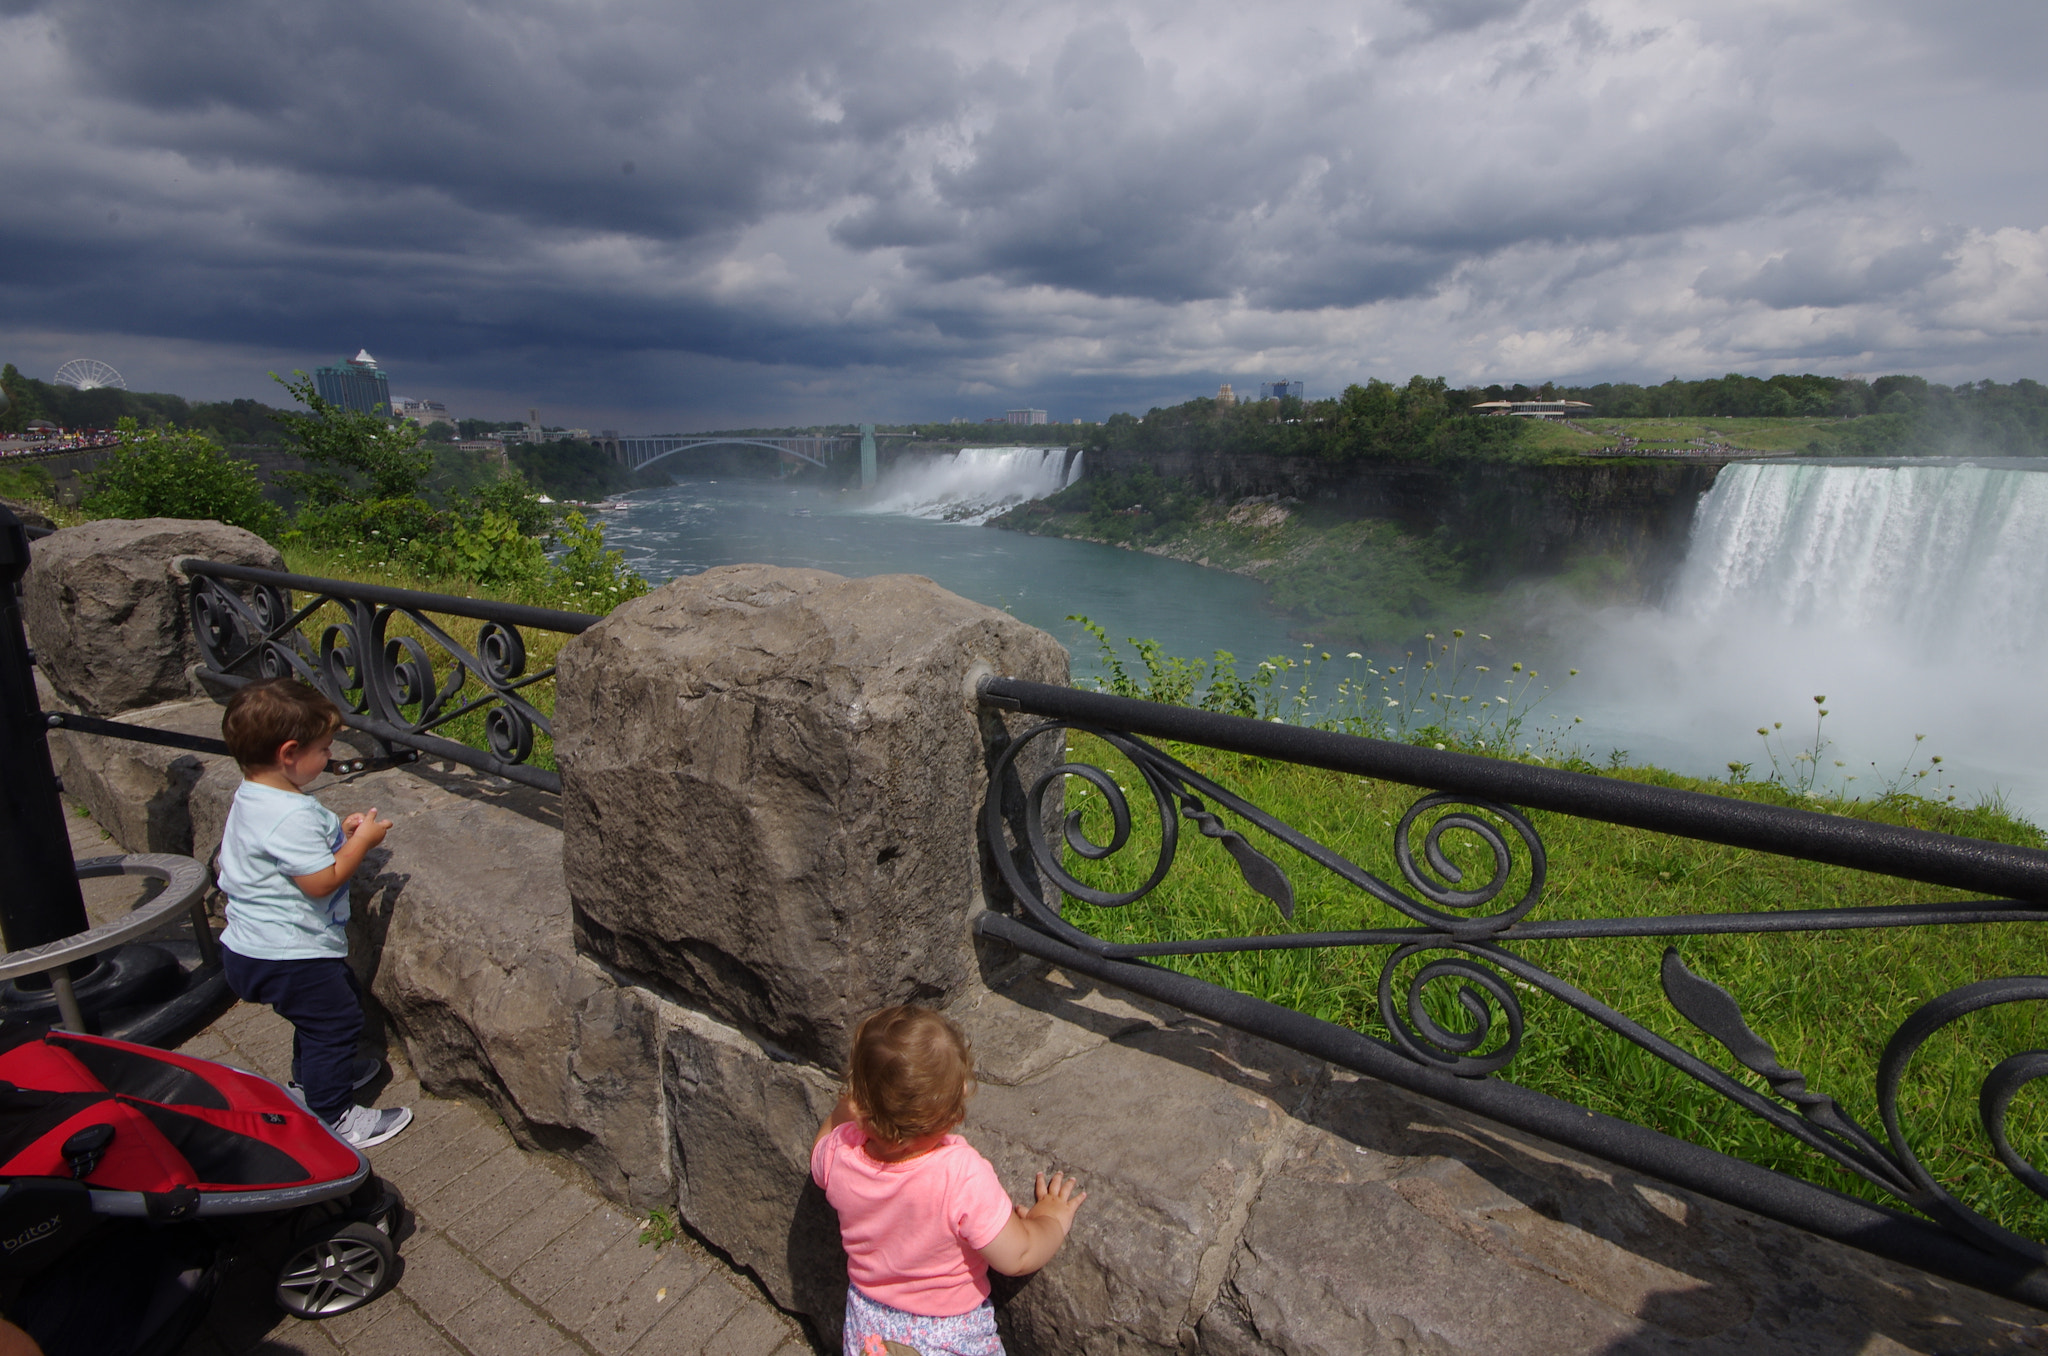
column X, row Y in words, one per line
column 913, row 1230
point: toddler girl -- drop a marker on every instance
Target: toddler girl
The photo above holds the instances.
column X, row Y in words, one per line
column 921, row 1213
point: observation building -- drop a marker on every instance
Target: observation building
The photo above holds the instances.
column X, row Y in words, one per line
column 357, row 384
column 1534, row 409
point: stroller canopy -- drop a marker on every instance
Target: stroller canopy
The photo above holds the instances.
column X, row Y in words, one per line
column 178, row 1125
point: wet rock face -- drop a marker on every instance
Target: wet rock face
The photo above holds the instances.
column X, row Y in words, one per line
column 771, row 782
column 109, row 615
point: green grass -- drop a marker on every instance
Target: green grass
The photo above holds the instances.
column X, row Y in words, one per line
column 1826, row 1001
column 1783, row 436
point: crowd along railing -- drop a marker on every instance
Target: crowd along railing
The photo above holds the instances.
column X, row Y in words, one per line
column 1466, row 934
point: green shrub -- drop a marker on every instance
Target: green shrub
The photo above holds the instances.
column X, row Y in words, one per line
column 176, row 473
column 589, row 575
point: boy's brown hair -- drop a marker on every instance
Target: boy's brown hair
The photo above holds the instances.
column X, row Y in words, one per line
column 271, row 712
column 911, row 1073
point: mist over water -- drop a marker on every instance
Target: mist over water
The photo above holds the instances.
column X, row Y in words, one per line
column 1913, row 596
column 974, row 484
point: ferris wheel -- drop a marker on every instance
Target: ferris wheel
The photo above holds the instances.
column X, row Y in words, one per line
column 89, row 374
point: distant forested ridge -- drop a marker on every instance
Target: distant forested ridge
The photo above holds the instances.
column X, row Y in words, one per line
column 1898, row 415
column 228, row 422
column 1428, row 420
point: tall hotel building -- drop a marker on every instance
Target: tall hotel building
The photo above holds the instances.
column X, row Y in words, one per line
column 358, row 384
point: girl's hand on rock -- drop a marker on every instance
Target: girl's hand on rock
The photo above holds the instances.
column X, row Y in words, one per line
column 1057, row 1199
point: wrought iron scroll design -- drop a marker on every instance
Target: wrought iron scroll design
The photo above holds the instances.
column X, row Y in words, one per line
column 1465, row 931
column 392, row 687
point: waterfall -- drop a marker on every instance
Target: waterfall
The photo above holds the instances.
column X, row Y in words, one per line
column 975, row 483
column 1913, row 595
column 1937, row 553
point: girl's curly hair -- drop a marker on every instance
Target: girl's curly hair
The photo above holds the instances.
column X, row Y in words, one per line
column 911, row 1073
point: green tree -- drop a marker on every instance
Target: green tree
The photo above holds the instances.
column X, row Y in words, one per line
column 387, row 457
column 177, row 473
column 22, row 405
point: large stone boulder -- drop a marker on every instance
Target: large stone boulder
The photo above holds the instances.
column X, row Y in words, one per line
column 141, row 793
column 771, row 783
column 108, row 613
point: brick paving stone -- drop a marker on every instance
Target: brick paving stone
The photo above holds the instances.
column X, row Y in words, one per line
column 425, row 1142
column 441, row 1164
column 501, row 1325
column 528, row 1190
column 491, row 1170
column 402, row 1332
column 605, row 1279
column 439, row 1279
column 206, row 1045
column 536, row 1229
column 569, row 1257
column 345, row 1328
column 755, row 1328
column 299, row 1338
column 688, row 1327
column 616, row 1325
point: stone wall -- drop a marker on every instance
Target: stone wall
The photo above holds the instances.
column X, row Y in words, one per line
column 771, row 785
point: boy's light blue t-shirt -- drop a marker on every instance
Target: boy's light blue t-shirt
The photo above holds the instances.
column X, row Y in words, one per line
column 272, row 836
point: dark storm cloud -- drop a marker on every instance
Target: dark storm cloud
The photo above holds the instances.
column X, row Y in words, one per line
column 904, row 187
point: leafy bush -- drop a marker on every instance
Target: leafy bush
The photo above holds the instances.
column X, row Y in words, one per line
column 364, row 450
column 175, row 473
column 591, row 576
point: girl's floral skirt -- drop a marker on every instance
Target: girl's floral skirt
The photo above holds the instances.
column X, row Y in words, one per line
column 872, row 1327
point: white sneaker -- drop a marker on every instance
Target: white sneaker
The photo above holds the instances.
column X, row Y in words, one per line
column 364, row 1126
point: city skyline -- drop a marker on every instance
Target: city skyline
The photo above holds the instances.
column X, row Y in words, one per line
column 681, row 217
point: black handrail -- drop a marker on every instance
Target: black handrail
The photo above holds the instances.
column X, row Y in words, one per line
column 1475, row 934
column 386, row 686
column 449, row 604
column 1911, row 854
column 1872, row 1228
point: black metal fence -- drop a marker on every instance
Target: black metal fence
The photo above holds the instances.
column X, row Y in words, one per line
column 1474, row 928
column 401, row 685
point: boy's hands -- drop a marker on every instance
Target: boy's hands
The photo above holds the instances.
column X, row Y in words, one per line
column 1056, row 1200
column 367, row 827
column 362, row 832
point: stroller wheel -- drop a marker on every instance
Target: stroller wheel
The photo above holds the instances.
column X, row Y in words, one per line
column 335, row 1269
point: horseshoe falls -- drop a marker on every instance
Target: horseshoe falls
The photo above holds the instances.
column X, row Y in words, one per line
column 1912, row 595
column 974, row 484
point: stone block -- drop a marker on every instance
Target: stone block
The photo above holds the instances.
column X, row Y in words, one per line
column 109, row 615
column 1396, row 1225
column 142, row 793
column 742, row 1117
column 771, row 785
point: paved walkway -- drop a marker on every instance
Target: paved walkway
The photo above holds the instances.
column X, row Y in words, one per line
column 510, row 1253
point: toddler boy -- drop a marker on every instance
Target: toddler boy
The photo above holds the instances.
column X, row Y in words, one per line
column 285, row 866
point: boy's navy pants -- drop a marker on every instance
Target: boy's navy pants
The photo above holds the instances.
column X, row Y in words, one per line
column 322, row 1001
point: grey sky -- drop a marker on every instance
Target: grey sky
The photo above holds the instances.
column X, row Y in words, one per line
column 649, row 214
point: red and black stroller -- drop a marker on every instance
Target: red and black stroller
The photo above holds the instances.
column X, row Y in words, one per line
column 133, row 1174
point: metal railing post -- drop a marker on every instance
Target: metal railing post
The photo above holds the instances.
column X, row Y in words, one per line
column 41, row 901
